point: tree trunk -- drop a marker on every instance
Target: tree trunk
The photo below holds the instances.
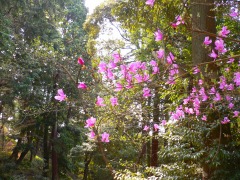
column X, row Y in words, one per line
column 203, row 20
column 154, row 156
column 54, row 131
column 27, row 148
column 54, row 153
column 45, row 152
column 88, row 158
column 203, row 23
column 17, row 147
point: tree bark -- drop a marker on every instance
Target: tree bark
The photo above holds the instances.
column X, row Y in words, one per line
column 203, row 20
column 54, row 153
column 45, row 151
column 88, row 158
column 154, row 156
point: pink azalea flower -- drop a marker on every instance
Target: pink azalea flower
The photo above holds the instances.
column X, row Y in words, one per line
column 164, row 122
column 153, row 63
column 236, row 113
column 174, row 25
column 100, row 101
column 128, row 78
column 203, row 94
column 171, row 80
column 80, row 61
column 60, row 95
column 231, row 60
column 224, row 32
column 230, row 87
column 90, row 122
column 186, row 100
column 194, row 89
column 134, row 66
column 200, row 82
column 155, row 70
column 204, row 118
column 217, row 97
column 173, row 70
column 82, row 85
column 146, row 92
column 156, row 127
column 207, row 41
column 197, row 112
column 146, row 128
column 129, row 85
column 139, row 78
column 170, row 58
column 110, row 74
column 92, row 135
column 204, row 97
column 143, row 66
column 220, row 46
column 196, row 70
column 105, row 137
column 146, row 77
column 123, row 68
column 114, row 101
column 212, row 90
column 150, row 2
column 154, row 66
column 116, row 57
column 102, row 67
column 222, row 83
column 231, row 105
column 236, row 78
column 225, row 120
column 179, row 20
column 178, row 114
column 160, row 53
column 213, row 55
column 228, row 98
column 118, row 86
column 158, row 35
column 196, row 103
column 111, row 65
column 202, row 91
column 233, row 13
column 227, row 69
column 189, row 110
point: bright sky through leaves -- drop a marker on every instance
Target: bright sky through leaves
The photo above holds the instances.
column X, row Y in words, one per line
column 91, row 4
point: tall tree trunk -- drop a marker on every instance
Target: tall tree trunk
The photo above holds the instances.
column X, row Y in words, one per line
column 17, row 147
column 54, row 153
column 54, row 131
column 27, row 148
column 88, row 158
column 45, row 152
column 154, row 156
column 203, row 20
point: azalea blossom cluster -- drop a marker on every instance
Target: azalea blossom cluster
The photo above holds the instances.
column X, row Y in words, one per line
column 156, row 127
column 234, row 13
column 100, row 101
column 215, row 96
column 219, row 43
column 212, row 98
column 126, row 75
column 90, row 123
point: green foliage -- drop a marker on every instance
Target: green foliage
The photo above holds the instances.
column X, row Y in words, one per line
column 190, row 144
